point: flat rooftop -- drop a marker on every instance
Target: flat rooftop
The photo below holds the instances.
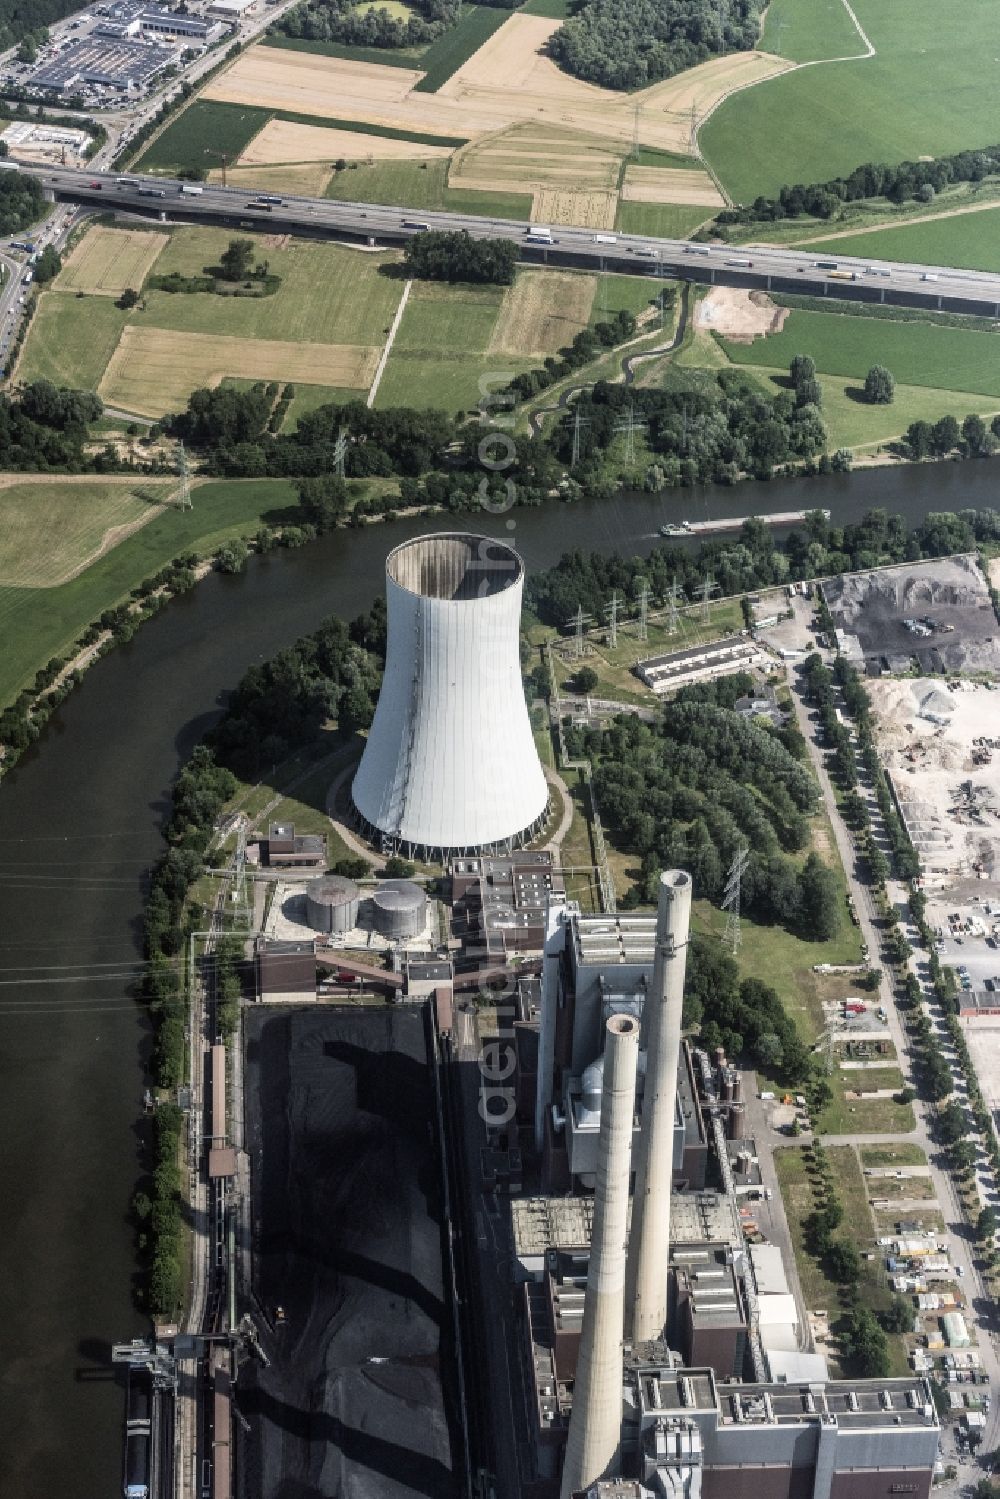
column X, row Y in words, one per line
column 541, row 1223
column 602, row 940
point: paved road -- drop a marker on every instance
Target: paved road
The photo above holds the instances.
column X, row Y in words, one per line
column 893, row 282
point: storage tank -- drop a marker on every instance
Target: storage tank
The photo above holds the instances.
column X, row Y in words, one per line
column 332, row 904
column 399, row 909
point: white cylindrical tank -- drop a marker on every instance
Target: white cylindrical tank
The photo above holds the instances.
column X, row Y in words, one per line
column 332, row 904
column 399, row 909
column 450, row 764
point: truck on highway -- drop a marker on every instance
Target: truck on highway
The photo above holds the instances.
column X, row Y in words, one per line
column 739, row 260
column 605, row 239
column 152, row 192
column 538, row 234
column 826, row 265
column 191, row 188
column 414, row 224
column 843, row 276
column 696, row 250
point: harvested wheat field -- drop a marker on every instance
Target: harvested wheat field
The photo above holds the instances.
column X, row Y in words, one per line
column 309, row 178
column 542, row 312
column 587, row 210
column 670, row 185
column 107, row 261
column 506, row 82
column 81, row 518
column 281, row 141
column 154, row 370
column 527, row 158
column 739, row 315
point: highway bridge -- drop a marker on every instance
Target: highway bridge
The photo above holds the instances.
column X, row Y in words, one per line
column 893, row 283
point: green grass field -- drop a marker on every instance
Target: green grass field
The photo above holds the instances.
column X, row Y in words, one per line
column 308, row 397
column 622, row 294
column 969, row 240
column 71, row 339
column 661, row 220
column 444, row 57
column 73, row 518
column 807, row 30
column 903, row 1154
column 916, row 353
column 929, row 90
column 854, row 424
column 221, row 128
column 414, row 184
column 874, row 1116
column 440, row 348
column 391, row 57
column 38, row 623
column 555, row 10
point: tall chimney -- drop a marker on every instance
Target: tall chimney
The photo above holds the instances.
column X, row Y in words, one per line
column 649, row 1240
column 555, row 942
column 593, row 1447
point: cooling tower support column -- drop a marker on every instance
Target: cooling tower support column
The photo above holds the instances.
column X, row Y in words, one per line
column 593, row 1446
column 649, row 1241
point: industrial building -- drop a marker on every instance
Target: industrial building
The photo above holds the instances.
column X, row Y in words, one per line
column 700, row 663
column 332, row 904
column 116, row 63
column 663, row 1355
column 499, row 903
column 283, row 848
column 450, row 767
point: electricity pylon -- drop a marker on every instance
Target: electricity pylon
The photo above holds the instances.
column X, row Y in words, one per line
column 731, row 898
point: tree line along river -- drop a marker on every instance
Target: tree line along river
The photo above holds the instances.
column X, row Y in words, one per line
column 79, row 828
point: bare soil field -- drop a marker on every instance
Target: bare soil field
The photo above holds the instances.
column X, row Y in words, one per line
column 506, row 82
column 310, row 178
column 670, row 185
column 739, row 315
column 589, row 210
column 107, row 261
column 542, row 312
column 283, row 141
column 154, row 370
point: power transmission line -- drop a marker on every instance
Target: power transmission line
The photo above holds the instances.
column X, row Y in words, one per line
column 644, row 609
column 630, row 426
column 613, row 612
column 579, row 421
column 731, row 899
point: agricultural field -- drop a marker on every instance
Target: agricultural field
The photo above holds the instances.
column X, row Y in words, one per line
column 809, row 30
column 554, row 205
column 107, row 261
column 670, row 185
column 38, row 623
column 289, row 141
column 449, row 52
column 308, row 397
column 542, row 312
column 661, row 220
column 200, row 134
column 528, row 158
column 394, row 57
column 154, row 370
column 507, row 81
column 928, row 90
column 441, row 347
column 970, row 240
column 917, row 353
column 333, row 307
column 80, row 517
column 422, row 185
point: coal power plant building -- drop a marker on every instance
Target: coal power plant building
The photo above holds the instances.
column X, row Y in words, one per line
column 450, row 767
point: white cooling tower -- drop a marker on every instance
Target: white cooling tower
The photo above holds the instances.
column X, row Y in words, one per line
column 450, row 765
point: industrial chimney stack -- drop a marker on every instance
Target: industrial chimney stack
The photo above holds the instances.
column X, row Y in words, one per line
column 594, row 1443
column 649, row 1240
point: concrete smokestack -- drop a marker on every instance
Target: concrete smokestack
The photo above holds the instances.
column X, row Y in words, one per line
column 593, row 1446
column 649, row 1240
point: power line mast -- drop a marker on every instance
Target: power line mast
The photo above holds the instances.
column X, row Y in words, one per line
column 731, row 899
column 241, row 905
column 635, row 131
column 693, row 131
column 673, row 616
column 340, row 452
column 579, row 421
column 630, row 426
column 644, row 609
column 613, row 612
column 184, row 493
column 705, row 591
column 578, row 634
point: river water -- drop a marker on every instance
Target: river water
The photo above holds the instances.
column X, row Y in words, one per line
column 79, row 825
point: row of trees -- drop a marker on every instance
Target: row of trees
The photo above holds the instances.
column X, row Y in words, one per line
column 626, row 44
column 973, row 439
column 907, row 180
column 44, row 427
column 753, row 559
column 447, row 255
column 22, row 199
column 586, row 346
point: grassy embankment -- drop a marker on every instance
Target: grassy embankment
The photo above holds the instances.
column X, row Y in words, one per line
column 929, row 90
